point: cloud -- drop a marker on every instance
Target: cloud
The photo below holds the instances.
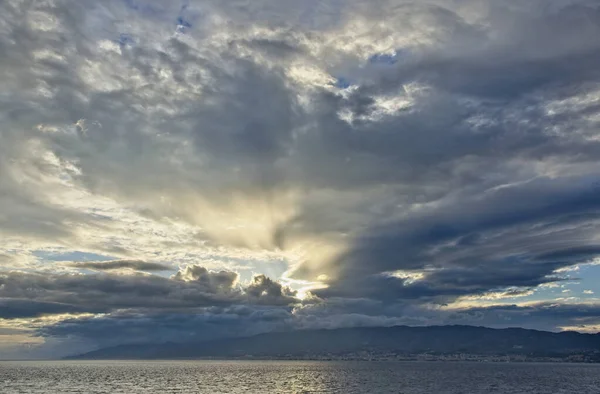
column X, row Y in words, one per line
column 474, row 245
column 210, row 323
column 14, row 308
column 136, row 265
column 215, row 281
column 403, row 154
column 267, row 290
column 25, row 294
column 235, row 321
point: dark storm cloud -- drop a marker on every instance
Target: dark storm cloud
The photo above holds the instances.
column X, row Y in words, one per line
column 149, row 327
column 544, row 316
column 346, row 312
column 193, row 287
column 581, row 252
column 486, row 103
column 24, row 308
column 516, row 52
column 513, row 236
column 219, row 322
column 551, row 50
column 136, row 265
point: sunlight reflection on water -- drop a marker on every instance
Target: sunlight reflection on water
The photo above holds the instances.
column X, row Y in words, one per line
column 294, row 377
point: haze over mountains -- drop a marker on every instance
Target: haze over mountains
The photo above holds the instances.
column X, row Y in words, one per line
column 399, row 342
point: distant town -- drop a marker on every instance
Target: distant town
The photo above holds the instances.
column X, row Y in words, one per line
column 593, row 357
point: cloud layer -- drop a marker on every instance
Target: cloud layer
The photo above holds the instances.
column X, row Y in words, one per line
column 33, row 295
column 304, row 161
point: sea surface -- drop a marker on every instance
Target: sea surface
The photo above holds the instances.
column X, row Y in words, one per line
column 213, row 377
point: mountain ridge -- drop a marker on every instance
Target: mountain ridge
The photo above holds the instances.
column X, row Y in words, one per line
column 396, row 342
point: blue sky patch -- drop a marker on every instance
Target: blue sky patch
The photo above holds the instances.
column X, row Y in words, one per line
column 71, row 256
column 125, row 40
column 183, row 23
column 388, row 58
column 342, row 83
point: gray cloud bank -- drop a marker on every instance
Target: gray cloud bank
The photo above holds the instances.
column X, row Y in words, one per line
column 33, row 295
column 221, row 322
column 136, row 265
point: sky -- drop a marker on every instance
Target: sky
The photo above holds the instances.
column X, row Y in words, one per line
column 192, row 170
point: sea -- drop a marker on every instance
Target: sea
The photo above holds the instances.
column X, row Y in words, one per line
column 214, row 377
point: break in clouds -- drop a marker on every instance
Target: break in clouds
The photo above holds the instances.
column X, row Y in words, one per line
column 199, row 169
